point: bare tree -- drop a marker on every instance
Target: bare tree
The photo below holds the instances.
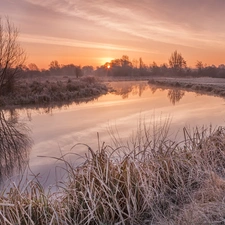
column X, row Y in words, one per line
column 78, row 71
column 12, row 56
column 199, row 65
column 177, row 62
column 33, row 67
column 141, row 63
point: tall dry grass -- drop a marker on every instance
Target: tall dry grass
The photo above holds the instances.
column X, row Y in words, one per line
column 149, row 180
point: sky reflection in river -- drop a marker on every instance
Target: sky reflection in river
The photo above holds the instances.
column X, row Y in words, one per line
column 55, row 133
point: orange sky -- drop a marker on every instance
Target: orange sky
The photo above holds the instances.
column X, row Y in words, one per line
column 92, row 32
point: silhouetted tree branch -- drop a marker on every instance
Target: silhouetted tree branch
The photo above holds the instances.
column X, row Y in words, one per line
column 177, row 62
column 12, row 56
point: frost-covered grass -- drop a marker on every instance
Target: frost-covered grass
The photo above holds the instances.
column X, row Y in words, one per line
column 150, row 180
column 42, row 92
column 210, row 86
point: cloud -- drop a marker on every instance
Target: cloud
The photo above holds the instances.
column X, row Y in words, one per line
column 75, row 43
column 186, row 23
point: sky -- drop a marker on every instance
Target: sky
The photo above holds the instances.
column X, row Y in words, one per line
column 92, row 32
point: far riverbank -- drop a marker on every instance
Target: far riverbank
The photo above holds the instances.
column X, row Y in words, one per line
column 204, row 85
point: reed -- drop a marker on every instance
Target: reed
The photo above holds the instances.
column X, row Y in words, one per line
column 149, row 180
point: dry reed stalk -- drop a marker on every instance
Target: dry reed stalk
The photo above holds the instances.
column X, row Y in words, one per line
column 151, row 180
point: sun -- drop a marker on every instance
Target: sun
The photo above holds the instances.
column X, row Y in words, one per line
column 105, row 60
column 108, row 66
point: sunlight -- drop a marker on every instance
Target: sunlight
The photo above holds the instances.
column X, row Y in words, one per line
column 106, row 60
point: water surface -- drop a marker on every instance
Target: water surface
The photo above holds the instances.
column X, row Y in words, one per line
column 56, row 131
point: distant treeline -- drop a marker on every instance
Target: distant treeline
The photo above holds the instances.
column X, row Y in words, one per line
column 124, row 67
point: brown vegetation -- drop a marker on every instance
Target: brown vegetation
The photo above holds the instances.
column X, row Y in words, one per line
column 36, row 92
column 152, row 180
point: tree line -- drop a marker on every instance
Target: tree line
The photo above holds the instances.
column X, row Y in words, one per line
column 124, row 67
column 176, row 67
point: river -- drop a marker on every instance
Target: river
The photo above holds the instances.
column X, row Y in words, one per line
column 55, row 131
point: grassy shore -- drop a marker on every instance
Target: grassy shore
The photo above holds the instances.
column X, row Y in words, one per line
column 215, row 87
column 37, row 92
column 150, row 180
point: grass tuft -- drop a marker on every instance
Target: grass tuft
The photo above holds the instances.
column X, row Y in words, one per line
column 151, row 180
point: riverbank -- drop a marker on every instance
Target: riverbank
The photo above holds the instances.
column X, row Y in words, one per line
column 65, row 90
column 149, row 181
column 210, row 86
column 38, row 92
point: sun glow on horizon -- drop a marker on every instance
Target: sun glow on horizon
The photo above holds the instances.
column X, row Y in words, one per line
column 107, row 30
column 104, row 61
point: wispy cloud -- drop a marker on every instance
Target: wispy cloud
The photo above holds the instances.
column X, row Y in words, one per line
column 159, row 21
column 114, row 27
column 74, row 43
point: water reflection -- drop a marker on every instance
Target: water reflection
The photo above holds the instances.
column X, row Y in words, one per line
column 175, row 95
column 153, row 89
column 56, row 130
column 15, row 144
column 126, row 88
